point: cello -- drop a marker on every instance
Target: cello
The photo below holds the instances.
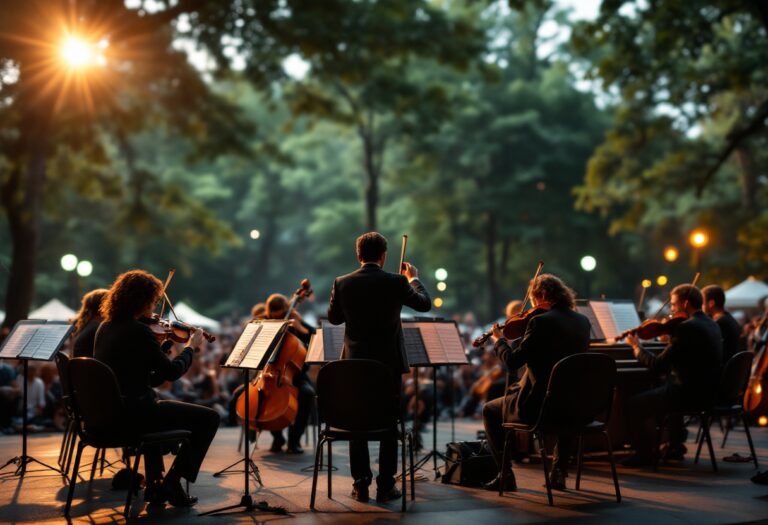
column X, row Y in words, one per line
column 755, row 398
column 274, row 400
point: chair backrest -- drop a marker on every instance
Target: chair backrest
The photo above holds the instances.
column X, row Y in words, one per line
column 96, row 399
column 580, row 390
column 62, row 365
column 735, row 378
column 357, row 395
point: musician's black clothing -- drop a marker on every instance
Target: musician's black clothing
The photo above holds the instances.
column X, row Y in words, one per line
column 133, row 353
column 692, row 361
column 84, row 340
column 731, row 332
column 549, row 337
column 369, row 301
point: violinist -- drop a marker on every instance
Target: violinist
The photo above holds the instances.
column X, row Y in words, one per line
column 553, row 334
column 692, row 361
column 369, row 301
column 275, row 308
column 130, row 348
column 87, row 323
column 714, row 306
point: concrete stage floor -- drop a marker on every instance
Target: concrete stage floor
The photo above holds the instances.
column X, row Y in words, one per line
column 678, row 493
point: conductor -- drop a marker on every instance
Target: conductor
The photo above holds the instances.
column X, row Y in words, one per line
column 369, row 301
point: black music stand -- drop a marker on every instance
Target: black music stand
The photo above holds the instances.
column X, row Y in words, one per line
column 433, row 343
column 326, row 345
column 32, row 340
column 256, row 344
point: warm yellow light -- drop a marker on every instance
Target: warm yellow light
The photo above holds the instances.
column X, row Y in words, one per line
column 671, row 254
column 646, row 283
column 438, row 302
column 762, row 421
column 758, row 389
column 661, row 280
column 77, row 53
column 442, row 286
column 698, row 238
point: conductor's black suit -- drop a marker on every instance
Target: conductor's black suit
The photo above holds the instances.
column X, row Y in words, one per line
column 369, row 301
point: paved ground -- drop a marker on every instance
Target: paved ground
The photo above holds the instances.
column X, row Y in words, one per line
column 683, row 493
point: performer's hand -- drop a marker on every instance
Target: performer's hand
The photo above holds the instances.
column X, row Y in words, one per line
column 496, row 332
column 195, row 338
column 635, row 344
column 410, row 271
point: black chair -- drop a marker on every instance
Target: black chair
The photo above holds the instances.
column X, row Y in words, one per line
column 580, row 390
column 67, row 439
column 730, row 400
column 100, row 420
column 353, row 403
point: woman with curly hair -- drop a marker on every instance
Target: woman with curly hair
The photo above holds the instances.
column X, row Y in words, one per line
column 87, row 322
column 558, row 332
column 129, row 347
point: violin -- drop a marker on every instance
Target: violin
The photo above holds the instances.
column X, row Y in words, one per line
column 653, row 328
column 173, row 329
column 274, row 401
column 515, row 326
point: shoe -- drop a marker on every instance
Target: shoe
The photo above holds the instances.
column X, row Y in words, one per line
column 294, row 449
column 277, row 444
column 388, row 495
column 360, row 493
column 557, row 479
column 673, row 452
column 154, row 495
column 176, row 495
column 510, row 484
column 637, row 461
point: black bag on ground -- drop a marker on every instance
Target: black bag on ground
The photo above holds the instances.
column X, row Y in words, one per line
column 469, row 463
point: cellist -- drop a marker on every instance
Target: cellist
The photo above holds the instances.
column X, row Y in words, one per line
column 276, row 307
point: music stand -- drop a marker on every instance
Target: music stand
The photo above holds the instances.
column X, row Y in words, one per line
column 251, row 352
column 32, row 340
column 326, row 345
column 433, row 343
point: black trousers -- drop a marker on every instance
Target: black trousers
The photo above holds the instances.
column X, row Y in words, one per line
column 163, row 416
column 649, row 407
column 493, row 419
column 306, row 402
column 360, row 461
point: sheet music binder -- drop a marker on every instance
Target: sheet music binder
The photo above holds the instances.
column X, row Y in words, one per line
column 609, row 318
column 438, row 343
column 256, row 344
column 35, row 340
column 326, row 344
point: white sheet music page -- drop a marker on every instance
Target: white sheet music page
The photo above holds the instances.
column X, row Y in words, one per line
column 605, row 319
column 625, row 316
column 21, row 336
column 259, row 347
column 243, row 344
column 44, row 341
column 432, row 342
column 316, row 353
column 451, row 342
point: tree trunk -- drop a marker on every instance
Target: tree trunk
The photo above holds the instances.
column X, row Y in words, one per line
column 490, row 263
column 747, row 177
column 372, row 181
column 22, row 199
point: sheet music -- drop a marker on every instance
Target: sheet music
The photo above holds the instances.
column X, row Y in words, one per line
column 605, row 319
column 442, row 343
column 258, row 348
column 35, row 340
column 333, row 341
column 415, row 351
column 316, row 350
column 15, row 345
column 45, row 341
column 625, row 316
column 595, row 332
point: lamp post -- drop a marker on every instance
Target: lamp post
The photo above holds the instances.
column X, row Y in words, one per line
column 671, row 254
column 698, row 239
column 588, row 264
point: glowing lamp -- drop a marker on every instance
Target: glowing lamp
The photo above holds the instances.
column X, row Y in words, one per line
column 69, row 262
column 84, row 268
column 255, row 234
column 671, row 254
column 441, row 274
column 438, row 302
column 646, row 283
column 588, row 263
column 758, row 389
column 762, row 421
column 661, row 280
column 698, row 238
column 442, row 286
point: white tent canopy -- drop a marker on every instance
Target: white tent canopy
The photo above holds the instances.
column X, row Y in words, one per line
column 746, row 294
column 190, row 316
column 53, row 310
column 2, row 316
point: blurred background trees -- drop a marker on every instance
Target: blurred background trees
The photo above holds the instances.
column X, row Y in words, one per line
column 248, row 143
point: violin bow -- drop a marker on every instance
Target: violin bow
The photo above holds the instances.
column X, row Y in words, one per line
column 665, row 303
column 528, row 291
column 166, row 284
